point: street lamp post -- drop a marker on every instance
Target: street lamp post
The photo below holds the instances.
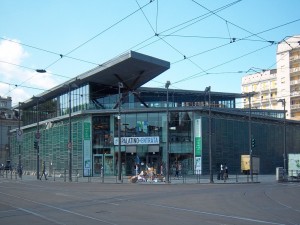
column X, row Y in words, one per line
column 70, row 144
column 37, row 135
column 19, row 130
column 120, row 85
column 70, row 137
column 37, row 140
column 284, row 135
column 168, row 83
column 250, row 94
column 208, row 90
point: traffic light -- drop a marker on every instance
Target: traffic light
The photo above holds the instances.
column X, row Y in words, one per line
column 252, row 142
column 36, row 145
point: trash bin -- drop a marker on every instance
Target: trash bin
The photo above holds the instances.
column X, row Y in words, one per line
column 279, row 174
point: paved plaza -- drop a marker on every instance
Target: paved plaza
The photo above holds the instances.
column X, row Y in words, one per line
column 31, row 201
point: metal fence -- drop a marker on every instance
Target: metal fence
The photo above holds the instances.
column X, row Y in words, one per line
column 184, row 177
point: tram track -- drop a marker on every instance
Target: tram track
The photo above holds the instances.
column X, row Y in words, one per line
column 116, row 204
column 45, row 216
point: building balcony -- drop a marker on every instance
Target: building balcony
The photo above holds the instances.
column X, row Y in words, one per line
column 295, row 58
column 295, row 93
column 295, row 82
column 274, row 99
column 295, row 106
column 295, row 70
column 265, row 99
column 265, row 90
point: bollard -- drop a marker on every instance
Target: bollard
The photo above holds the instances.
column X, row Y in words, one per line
column 236, row 177
column 102, row 174
column 65, row 175
column 54, row 175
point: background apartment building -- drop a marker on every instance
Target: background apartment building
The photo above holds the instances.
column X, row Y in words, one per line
column 8, row 121
column 278, row 87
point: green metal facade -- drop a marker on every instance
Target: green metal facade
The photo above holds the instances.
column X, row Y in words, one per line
column 230, row 140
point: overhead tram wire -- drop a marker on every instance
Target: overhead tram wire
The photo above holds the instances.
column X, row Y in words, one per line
column 10, row 84
column 28, row 68
column 48, row 51
column 95, row 36
column 183, row 55
column 206, row 71
column 206, row 15
column 212, row 37
column 156, row 19
column 227, row 20
column 199, row 18
column 145, row 17
column 66, row 56
column 241, row 39
column 228, row 30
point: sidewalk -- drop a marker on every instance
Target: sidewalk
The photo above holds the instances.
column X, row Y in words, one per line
column 192, row 179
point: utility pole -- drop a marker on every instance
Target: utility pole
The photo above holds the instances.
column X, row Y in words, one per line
column 70, row 136
column 37, row 137
column 120, row 85
column 250, row 136
column 284, row 135
column 208, row 90
column 19, row 130
column 168, row 83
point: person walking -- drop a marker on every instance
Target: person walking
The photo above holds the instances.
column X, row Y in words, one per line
column 176, row 171
column 221, row 171
column 44, row 171
column 225, row 173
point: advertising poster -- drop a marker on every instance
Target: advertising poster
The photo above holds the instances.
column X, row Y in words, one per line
column 294, row 164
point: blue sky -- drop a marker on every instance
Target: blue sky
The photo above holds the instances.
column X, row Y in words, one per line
column 208, row 43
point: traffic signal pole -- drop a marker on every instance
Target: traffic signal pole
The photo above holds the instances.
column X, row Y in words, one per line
column 250, row 139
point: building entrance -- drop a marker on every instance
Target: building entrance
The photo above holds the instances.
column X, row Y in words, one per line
column 103, row 164
column 154, row 161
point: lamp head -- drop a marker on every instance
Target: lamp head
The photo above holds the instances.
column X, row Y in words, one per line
column 168, row 83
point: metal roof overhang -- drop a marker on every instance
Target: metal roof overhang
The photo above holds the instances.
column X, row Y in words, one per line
column 132, row 69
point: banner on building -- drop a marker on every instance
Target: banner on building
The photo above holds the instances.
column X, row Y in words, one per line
column 198, row 146
column 87, row 161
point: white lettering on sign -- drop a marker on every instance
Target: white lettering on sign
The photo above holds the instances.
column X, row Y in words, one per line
column 137, row 140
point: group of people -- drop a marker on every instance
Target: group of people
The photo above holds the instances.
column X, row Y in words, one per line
column 223, row 174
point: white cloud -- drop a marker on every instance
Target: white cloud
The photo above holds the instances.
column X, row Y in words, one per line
column 13, row 54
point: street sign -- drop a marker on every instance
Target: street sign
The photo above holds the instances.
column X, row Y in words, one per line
column 19, row 135
column 70, row 145
column 37, row 136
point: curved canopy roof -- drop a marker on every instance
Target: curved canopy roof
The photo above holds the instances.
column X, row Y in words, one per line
column 132, row 69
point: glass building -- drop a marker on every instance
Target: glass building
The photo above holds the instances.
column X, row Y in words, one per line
column 104, row 118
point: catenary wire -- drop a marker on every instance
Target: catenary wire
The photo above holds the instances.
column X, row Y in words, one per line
column 95, row 36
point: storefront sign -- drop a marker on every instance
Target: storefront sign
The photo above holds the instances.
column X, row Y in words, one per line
column 137, row 140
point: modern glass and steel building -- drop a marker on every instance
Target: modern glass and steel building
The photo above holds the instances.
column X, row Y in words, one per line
column 104, row 115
